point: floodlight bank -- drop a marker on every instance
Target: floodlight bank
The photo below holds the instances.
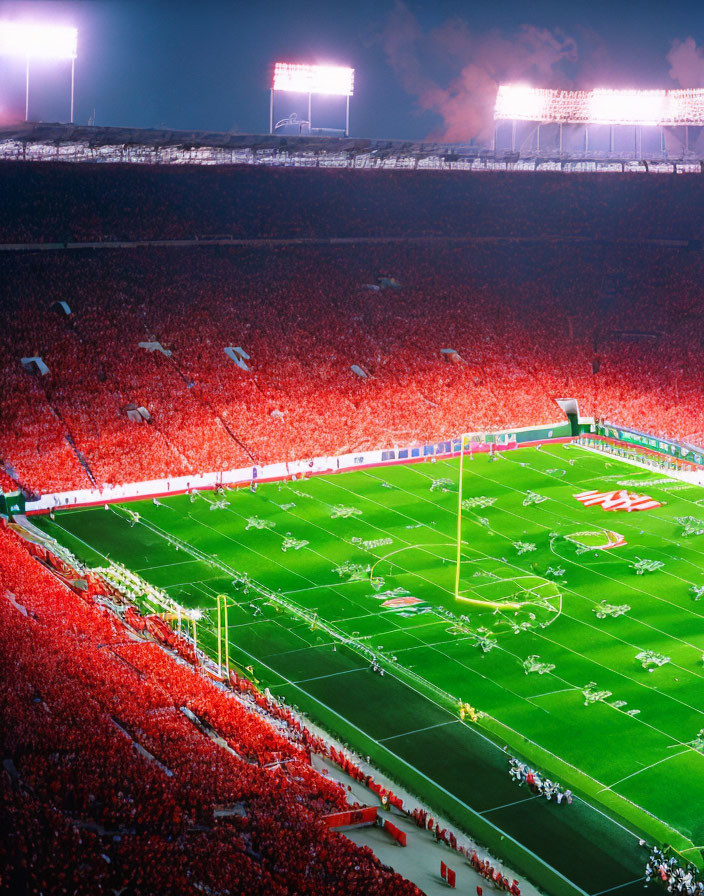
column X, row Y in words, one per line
column 36, row 41
column 333, row 80
column 646, row 108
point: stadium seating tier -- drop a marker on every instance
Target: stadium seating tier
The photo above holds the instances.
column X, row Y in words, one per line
column 613, row 326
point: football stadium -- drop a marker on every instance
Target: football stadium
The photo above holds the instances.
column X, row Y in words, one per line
column 352, row 501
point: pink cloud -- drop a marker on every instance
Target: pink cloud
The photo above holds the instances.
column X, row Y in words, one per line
column 475, row 65
column 686, row 63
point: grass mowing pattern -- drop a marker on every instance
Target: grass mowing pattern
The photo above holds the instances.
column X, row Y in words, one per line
column 635, row 767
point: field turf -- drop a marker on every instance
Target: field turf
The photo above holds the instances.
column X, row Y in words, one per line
column 334, row 551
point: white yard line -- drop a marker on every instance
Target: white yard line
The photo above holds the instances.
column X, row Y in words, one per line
column 526, row 799
column 620, row 886
column 550, row 693
column 330, row 675
column 648, row 767
column 382, row 740
column 165, row 565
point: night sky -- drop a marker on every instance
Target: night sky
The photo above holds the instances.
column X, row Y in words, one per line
column 423, row 69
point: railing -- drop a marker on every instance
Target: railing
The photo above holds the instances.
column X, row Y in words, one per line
column 476, row 442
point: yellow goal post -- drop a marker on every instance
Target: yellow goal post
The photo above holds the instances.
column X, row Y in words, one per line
column 465, row 443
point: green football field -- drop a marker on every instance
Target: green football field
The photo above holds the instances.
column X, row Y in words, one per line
column 543, row 640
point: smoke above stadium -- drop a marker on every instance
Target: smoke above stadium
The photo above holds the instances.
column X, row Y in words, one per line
column 686, row 63
column 455, row 72
column 468, row 67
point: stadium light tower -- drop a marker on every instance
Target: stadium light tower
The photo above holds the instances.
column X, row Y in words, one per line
column 36, row 41
column 325, row 80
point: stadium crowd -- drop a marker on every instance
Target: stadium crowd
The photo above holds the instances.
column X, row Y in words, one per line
column 112, row 781
column 55, row 202
column 109, row 785
column 527, row 325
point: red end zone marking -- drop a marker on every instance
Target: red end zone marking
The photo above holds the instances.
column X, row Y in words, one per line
column 617, row 500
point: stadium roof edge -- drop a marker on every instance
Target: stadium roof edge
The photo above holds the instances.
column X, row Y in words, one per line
column 43, row 132
column 50, row 142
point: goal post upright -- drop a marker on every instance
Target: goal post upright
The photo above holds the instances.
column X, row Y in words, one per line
column 219, row 634
column 223, row 635
column 459, row 520
column 227, row 637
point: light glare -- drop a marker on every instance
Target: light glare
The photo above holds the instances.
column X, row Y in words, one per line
column 195, row 615
column 628, row 106
column 33, row 41
column 602, row 106
column 333, row 80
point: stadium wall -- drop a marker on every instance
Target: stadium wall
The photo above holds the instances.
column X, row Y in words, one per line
column 678, row 450
column 473, row 442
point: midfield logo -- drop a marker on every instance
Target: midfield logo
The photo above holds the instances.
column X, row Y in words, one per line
column 618, row 500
